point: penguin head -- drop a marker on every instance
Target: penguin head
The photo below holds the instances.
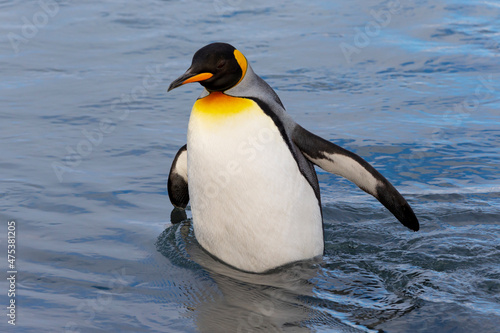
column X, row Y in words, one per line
column 217, row 67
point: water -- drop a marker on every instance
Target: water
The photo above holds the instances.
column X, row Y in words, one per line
column 88, row 133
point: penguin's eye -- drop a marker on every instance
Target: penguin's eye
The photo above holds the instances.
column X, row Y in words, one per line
column 221, row 64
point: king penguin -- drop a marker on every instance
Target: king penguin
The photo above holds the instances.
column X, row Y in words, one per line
column 248, row 169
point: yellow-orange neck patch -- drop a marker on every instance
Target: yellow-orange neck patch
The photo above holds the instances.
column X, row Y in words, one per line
column 218, row 104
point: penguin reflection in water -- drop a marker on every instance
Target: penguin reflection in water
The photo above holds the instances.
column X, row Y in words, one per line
column 248, row 169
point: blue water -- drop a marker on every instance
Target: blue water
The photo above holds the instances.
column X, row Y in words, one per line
column 88, row 133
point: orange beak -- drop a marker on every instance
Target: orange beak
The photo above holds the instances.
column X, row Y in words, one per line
column 189, row 77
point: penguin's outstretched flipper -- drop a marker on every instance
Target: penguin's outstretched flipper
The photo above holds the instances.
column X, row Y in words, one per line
column 177, row 180
column 344, row 163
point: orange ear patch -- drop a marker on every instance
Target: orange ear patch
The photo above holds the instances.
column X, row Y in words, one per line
column 242, row 61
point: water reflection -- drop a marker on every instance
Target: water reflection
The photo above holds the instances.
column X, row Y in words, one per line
column 244, row 302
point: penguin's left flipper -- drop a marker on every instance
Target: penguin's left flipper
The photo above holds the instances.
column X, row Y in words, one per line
column 342, row 162
column 177, row 180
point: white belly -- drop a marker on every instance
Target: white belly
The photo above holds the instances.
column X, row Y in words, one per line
column 251, row 206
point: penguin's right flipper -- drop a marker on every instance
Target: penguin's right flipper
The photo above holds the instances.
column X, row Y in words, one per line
column 344, row 163
column 178, row 181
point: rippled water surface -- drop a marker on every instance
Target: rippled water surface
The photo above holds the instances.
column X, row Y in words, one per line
column 88, row 133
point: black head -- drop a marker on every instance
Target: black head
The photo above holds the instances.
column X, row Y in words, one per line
column 217, row 67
